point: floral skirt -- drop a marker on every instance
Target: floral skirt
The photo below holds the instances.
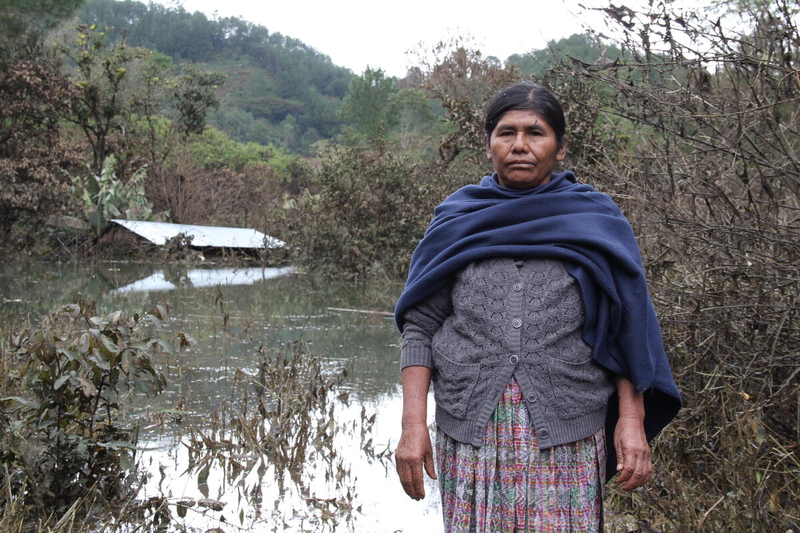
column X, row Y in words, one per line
column 510, row 486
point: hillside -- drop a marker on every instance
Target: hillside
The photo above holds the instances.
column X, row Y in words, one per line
column 278, row 89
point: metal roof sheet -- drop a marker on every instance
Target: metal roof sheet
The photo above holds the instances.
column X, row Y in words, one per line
column 214, row 236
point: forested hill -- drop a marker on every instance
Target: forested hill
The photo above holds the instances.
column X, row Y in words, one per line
column 278, row 89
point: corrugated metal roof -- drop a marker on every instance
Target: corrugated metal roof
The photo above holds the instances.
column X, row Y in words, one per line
column 213, row 236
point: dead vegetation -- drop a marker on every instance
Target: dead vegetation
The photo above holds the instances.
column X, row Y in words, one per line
column 707, row 126
column 279, row 437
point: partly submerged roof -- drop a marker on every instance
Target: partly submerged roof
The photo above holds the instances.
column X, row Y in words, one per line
column 211, row 236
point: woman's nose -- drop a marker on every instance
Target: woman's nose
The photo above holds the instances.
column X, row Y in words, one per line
column 519, row 141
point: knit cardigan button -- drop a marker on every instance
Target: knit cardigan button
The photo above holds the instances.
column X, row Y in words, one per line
column 517, row 322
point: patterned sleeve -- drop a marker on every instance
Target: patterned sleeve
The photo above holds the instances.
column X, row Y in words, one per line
column 421, row 322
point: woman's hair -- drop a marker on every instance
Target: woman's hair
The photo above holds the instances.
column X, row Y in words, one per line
column 530, row 96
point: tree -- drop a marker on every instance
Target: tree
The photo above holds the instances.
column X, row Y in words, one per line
column 33, row 160
column 23, row 22
column 366, row 106
column 100, row 107
column 193, row 94
column 270, row 76
column 415, row 120
column 463, row 80
column 35, row 96
column 585, row 48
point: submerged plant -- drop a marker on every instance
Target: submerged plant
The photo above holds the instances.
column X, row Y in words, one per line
column 62, row 436
column 276, row 449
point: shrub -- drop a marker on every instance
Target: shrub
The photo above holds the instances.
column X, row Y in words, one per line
column 371, row 210
column 62, row 437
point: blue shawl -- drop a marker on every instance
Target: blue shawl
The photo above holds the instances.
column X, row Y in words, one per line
column 585, row 229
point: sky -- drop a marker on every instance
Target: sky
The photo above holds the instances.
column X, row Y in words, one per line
column 361, row 33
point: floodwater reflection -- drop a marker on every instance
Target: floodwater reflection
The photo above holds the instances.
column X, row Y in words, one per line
column 186, row 448
column 203, row 277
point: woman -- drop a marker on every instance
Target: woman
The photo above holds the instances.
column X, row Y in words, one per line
column 527, row 306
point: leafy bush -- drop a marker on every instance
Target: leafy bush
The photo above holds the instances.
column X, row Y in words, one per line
column 62, row 437
column 34, row 159
column 105, row 197
column 370, row 212
column 215, row 149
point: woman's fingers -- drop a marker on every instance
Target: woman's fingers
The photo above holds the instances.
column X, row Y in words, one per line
column 634, row 462
column 429, row 468
column 411, row 479
column 413, row 453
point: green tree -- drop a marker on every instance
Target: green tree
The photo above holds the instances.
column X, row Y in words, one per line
column 581, row 48
column 193, row 95
column 367, row 105
column 415, row 121
column 119, row 87
column 271, row 76
column 148, row 105
column 100, row 107
column 24, row 22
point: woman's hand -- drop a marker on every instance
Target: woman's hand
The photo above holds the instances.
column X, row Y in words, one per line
column 413, row 453
column 634, row 462
column 414, row 450
column 633, row 453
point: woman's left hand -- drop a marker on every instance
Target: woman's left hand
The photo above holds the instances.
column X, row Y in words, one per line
column 633, row 452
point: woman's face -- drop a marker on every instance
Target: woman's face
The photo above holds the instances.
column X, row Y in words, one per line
column 523, row 149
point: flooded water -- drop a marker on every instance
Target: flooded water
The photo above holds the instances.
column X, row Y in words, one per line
column 349, row 484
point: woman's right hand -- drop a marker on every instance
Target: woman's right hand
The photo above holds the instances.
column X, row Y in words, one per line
column 414, row 452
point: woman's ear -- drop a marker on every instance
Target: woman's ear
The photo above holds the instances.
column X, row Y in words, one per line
column 488, row 149
column 562, row 151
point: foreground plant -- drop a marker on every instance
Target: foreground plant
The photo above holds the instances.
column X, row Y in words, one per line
column 62, row 435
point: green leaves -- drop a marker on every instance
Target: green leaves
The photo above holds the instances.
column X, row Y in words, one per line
column 105, row 196
column 366, row 104
column 194, row 95
column 77, row 368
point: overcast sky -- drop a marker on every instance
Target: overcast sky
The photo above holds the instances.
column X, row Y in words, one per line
column 360, row 33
